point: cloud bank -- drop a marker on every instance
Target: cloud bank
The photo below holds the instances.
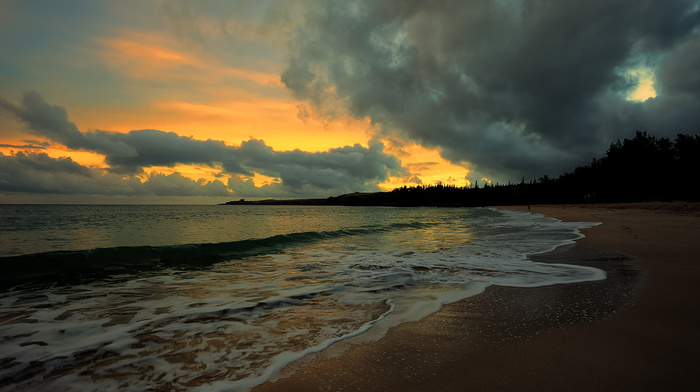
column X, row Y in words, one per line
column 512, row 87
column 42, row 174
column 298, row 173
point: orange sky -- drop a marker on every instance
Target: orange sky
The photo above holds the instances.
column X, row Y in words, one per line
column 213, row 71
column 206, row 99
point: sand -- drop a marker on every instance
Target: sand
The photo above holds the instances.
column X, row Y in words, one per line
column 639, row 330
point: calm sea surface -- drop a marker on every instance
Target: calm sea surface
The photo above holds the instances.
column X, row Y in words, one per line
column 221, row 297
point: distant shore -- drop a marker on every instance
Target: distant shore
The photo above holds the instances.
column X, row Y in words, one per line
column 635, row 331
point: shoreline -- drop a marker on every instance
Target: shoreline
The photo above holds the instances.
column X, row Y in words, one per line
column 562, row 337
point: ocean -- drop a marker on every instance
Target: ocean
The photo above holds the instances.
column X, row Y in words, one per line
column 109, row 297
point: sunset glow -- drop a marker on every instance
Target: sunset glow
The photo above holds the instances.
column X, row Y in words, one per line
column 268, row 99
column 645, row 87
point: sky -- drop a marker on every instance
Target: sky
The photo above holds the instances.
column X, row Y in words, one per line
column 174, row 101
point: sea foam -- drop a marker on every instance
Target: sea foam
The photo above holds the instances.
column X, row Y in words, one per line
column 234, row 321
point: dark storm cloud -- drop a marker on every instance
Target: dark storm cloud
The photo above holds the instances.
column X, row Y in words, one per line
column 176, row 184
column 51, row 121
column 300, row 173
column 24, row 146
column 39, row 173
column 339, row 168
column 124, row 152
column 513, row 87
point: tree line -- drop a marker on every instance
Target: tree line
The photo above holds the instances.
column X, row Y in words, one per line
column 643, row 168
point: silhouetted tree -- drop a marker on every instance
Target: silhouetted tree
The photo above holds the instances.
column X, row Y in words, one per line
column 629, row 171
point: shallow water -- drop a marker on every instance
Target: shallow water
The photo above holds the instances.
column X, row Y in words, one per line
column 221, row 297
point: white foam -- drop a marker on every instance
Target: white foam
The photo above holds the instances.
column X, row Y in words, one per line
column 246, row 319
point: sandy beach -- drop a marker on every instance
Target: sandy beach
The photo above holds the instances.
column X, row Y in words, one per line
column 638, row 330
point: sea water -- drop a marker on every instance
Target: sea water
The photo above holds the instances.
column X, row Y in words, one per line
column 222, row 297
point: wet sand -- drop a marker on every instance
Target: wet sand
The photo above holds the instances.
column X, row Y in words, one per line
column 638, row 330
